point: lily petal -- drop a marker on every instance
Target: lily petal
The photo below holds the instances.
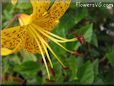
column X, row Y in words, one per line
column 13, row 38
column 58, row 9
column 39, row 8
column 6, row 51
column 49, row 21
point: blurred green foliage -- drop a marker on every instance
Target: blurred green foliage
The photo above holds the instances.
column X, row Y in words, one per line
column 95, row 65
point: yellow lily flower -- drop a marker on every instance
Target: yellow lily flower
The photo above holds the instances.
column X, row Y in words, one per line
column 34, row 31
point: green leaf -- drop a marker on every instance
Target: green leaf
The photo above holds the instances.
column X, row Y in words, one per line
column 28, row 66
column 28, row 57
column 86, row 73
column 23, row 5
column 99, row 80
column 110, row 57
column 80, row 61
column 95, row 66
column 87, row 31
column 59, row 78
column 94, row 40
column 73, row 67
column 15, row 59
column 28, row 70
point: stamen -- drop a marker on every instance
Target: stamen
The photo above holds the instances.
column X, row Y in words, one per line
column 56, row 36
column 47, row 54
column 43, row 47
column 54, row 54
column 50, row 50
column 53, row 40
column 52, row 71
column 40, row 51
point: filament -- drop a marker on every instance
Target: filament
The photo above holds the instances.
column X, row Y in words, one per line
column 43, row 46
column 53, row 40
column 50, row 49
column 40, row 51
column 56, row 36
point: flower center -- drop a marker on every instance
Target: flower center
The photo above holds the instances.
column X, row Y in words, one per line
column 24, row 19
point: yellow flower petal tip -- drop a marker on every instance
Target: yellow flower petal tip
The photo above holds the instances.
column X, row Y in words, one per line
column 5, row 51
column 14, row 2
column 24, row 19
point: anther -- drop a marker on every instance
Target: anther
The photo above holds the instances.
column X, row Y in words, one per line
column 80, row 38
column 76, row 53
column 52, row 71
column 65, row 68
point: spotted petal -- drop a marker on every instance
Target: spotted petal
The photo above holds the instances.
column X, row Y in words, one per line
column 55, row 13
column 39, row 8
column 30, row 44
column 13, row 38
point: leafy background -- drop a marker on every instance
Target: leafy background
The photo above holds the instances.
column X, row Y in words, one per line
column 95, row 65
